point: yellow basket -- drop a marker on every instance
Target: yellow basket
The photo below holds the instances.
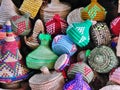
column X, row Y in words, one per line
column 31, row 6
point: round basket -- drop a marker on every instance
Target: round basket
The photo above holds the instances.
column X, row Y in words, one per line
column 55, row 7
column 74, row 16
column 47, row 81
column 100, row 34
column 102, row 59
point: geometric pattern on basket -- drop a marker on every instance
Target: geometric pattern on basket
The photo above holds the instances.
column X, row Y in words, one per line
column 100, row 34
column 51, row 28
column 21, row 27
column 31, row 6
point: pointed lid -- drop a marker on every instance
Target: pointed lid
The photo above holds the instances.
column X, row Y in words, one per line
column 9, row 34
column 7, row 10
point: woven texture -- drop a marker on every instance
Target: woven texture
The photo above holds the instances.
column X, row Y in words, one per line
column 74, row 16
column 31, row 6
column 79, row 32
column 55, row 7
column 62, row 44
column 102, row 59
column 115, row 26
column 7, row 10
column 43, row 55
column 47, row 81
column 114, row 77
column 12, row 68
column 32, row 41
column 111, row 87
column 62, row 62
column 21, row 25
column 93, row 11
column 118, row 47
column 82, row 68
column 100, row 34
column 56, row 25
column 77, row 84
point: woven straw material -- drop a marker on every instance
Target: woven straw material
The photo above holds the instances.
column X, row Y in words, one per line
column 61, row 62
column 47, row 81
column 93, row 11
column 43, row 55
column 77, row 83
column 114, row 77
column 7, row 10
column 111, row 87
column 55, row 7
column 21, row 25
column 63, row 44
column 74, row 16
column 56, row 25
column 31, row 6
column 79, row 32
column 100, row 34
column 83, row 68
column 32, row 41
column 102, row 59
column 12, row 68
column 115, row 26
column 118, row 47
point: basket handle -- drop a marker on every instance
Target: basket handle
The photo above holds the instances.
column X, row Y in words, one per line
column 44, row 70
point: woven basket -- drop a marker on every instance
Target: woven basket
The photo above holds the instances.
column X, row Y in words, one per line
column 102, row 59
column 42, row 55
column 94, row 11
column 111, row 87
column 74, row 16
column 46, row 80
column 55, row 7
column 31, row 6
column 82, row 68
column 7, row 10
column 32, row 41
column 100, row 34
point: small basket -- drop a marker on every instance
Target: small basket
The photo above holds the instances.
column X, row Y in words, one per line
column 74, row 16
column 46, row 80
column 31, row 6
column 94, row 11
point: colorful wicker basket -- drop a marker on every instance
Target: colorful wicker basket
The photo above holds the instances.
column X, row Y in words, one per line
column 46, row 80
column 31, row 6
column 94, row 11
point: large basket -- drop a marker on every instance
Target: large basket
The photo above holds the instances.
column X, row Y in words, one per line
column 47, row 81
column 55, row 7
